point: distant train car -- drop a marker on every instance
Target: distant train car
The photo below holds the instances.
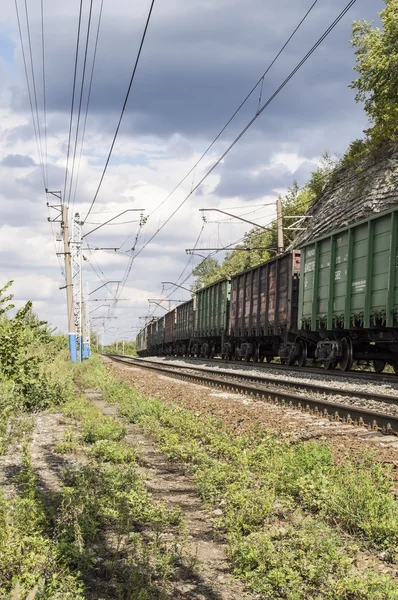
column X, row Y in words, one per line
column 169, row 332
column 211, row 310
column 264, row 308
column 142, row 342
column 184, row 327
column 157, row 337
column 348, row 304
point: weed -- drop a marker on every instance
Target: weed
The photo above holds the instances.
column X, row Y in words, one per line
column 259, row 480
column 69, row 443
column 106, row 428
column 296, row 563
column 28, row 557
column 103, row 506
column 111, row 451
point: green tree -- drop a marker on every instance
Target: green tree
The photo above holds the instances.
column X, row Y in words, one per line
column 129, row 348
column 377, row 66
column 27, row 348
column 263, row 243
column 206, row 272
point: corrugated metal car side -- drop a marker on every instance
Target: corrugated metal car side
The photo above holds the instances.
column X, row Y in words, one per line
column 349, row 279
column 142, row 340
column 212, row 308
column 158, row 332
column 262, row 298
column 151, row 327
column 185, row 321
column 170, row 326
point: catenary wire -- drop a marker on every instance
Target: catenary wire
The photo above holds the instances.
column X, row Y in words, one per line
column 73, row 97
column 88, row 101
column 34, row 84
column 29, row 93
column 237, row 110
column 80, row 98
column 123, row 107
column 44, row 91
column 244, row 130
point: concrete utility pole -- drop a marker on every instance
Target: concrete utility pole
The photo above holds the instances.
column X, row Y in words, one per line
column 279, row 221
column 69, row 284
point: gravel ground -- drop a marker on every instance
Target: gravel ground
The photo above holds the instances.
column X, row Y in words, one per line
column 354, row 384
column 294, row 387
column 242, row 413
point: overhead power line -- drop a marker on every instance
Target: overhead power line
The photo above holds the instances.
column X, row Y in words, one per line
column 237, row 110
column 34, row 84
column 123, row 108
column 38, row 140
column 44, row 92
column 245, row 129
column 129, row 266
column 73, row 96
column 81, row 98
column 88, row 100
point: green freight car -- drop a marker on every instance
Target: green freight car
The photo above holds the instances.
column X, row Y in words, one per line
column 211, row 308
column 348, row 302
column 157, row 340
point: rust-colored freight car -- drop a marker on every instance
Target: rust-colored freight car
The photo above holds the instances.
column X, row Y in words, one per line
column 169, row 331
column 264, row 306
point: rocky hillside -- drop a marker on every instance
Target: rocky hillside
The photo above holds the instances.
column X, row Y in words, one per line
column 356, row 192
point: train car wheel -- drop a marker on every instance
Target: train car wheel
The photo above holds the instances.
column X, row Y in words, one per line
column 330, row 364
column 291, row 361
column 303, row 354
column 347, row 358
column 269, row 359
column 379, row 365
column 394, row 364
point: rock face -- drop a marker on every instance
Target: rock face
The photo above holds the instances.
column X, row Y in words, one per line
column 355, row 193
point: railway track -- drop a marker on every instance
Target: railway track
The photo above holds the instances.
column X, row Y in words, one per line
column 377, row 412
column 390, row 378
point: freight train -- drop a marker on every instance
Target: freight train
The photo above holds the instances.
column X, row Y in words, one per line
column 335, row 299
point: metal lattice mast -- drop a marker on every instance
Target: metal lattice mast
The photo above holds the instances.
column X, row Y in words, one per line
column 76, row 249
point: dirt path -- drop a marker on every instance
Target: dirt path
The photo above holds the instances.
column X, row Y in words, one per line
column 46, row 431
column 48, row 465
column 206, row 573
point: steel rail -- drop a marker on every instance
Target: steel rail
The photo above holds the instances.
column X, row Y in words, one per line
column 316, row 387
column 348, row 414
column 320, row 371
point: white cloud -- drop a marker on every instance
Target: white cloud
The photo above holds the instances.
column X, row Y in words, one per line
column 199, row 60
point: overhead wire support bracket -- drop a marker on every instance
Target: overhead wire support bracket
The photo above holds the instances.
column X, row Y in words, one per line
column 197, row 250
column 235, row 217
column 113, row 218
column 103, row 285
column 296, row 226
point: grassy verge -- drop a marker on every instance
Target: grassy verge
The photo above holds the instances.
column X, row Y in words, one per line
column 108, row 525
column 102, row 534
column 286, row 508
column 30, row 558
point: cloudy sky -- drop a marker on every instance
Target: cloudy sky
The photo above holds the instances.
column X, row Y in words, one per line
column 199, row 60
